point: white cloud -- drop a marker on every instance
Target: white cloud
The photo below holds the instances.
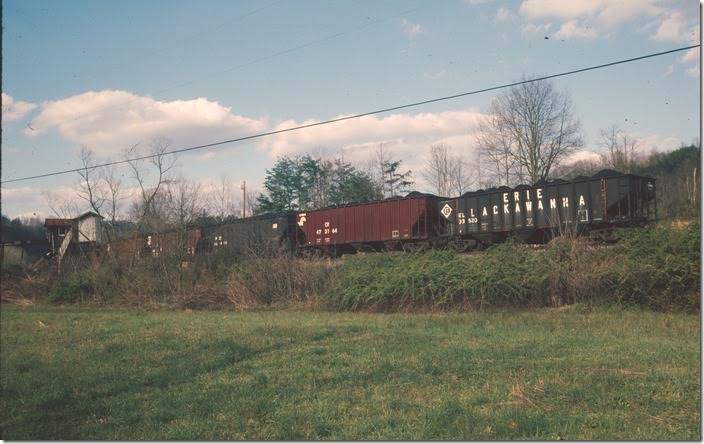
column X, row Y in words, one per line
column 583, row 156
column 655, row 142
column 531, row 28
column 28, row 200
column 407, row 135
column 503, row 14
column 572, row 29
column 675, row 27
column 109, row 121
column 647, row 143
column 691, row 58
column 436, row 75
column 14, row 110
column 609, row 12
column 557, row 9
column 691, row 55
column 588, row 19
column 477, row 2
column 670, row 69
column 411, row 29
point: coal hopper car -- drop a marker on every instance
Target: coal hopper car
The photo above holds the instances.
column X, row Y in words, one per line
column 402, row 223
column 536, row 213
column 260, row 235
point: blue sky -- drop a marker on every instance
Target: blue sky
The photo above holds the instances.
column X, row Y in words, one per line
column 111, row 74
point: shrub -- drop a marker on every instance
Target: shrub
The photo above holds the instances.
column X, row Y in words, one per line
column 660, row 266
column 283, row 278
column 503, row 275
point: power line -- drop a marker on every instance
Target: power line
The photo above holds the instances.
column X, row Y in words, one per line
column 356, row 116
column 254, row 61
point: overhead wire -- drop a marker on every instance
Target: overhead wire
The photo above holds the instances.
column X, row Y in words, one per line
column 304, row 45
column 356, row 116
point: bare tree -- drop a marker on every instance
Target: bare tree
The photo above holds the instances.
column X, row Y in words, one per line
column 90, row 187
column 461, row 178
column 113, row 192
column 387, row 173
column 530, row 129
column 183, row 203
column 251, row 207
column 162, row 164
column 223, row 199
column 439, row 168
column 496, row 147
column 446, row 172
column 620, row 149
column 62, row 207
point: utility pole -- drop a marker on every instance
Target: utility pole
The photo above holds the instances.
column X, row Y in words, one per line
column 244, row 198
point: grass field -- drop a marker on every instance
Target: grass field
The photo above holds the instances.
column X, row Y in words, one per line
column 74, row 373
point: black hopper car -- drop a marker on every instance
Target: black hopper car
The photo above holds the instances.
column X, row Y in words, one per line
column 260, row 235
column 534, row 214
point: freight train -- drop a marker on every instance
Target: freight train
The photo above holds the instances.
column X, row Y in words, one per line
column 533, row 214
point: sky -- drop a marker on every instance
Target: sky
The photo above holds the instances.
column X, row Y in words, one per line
column 110, row 75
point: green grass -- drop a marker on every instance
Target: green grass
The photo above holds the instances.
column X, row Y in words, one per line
column 70, row 373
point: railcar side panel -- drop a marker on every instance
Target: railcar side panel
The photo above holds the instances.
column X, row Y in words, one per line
column 392, row 220
column 253, row 235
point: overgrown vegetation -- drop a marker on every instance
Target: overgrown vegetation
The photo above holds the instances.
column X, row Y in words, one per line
column 548, row 374
column 656, row 267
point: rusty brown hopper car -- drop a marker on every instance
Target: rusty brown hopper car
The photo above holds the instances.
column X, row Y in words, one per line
column 126, row 249
column 407, row 223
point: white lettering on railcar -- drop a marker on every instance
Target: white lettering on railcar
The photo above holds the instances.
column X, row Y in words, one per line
column 553, row 203
column 505, row 196
column 581, row 201
column 495, row 209
column 565, row 202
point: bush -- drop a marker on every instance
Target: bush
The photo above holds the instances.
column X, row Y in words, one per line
column 503, row 275
column 263, row 281
column 657, row 267
column 660, row 267
column 91, row 284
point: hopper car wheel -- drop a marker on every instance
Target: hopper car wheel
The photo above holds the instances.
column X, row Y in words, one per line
column 462, row 245
column 604, row 235
column 415, row 247
column 312, row 253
